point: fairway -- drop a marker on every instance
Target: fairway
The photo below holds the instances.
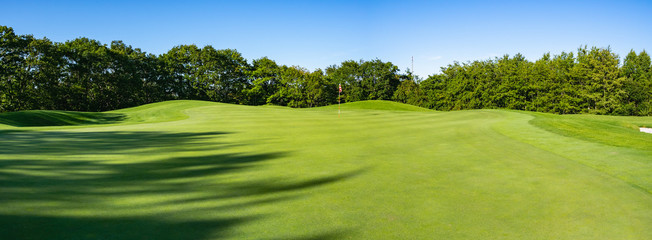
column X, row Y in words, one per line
column 379, row 170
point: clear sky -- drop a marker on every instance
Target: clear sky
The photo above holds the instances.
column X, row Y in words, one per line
column 316, row 34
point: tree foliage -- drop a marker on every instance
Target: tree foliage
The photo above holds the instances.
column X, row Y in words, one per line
column 85, row 75
column 591, row 81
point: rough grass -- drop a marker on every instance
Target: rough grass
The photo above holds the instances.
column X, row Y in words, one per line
column 200, row 170
column 616, row 131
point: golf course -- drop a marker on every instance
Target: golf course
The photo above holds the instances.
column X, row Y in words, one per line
column 377, row 170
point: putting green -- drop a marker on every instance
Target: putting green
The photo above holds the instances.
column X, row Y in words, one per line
column 379, row 170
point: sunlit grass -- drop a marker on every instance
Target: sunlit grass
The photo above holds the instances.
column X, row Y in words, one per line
column 378, row 170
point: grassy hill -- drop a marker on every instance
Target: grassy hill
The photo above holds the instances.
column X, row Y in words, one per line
column 377, row 105
column 378, row 170
column 36, row 118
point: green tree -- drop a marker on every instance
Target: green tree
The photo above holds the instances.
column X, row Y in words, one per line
column 598, row 75
column 434, row 91
column 320, row 91
column 133, row 75
column 16, row 87
column 45, row 61
column 87, row 85
column 408, row 91
column 365, row 80
column 177, row 66
column 514, row 87
column 564, row 95
column 379, row 79
column 291, row 84
column 264, row 77
column 637, row 85
column 347, row 74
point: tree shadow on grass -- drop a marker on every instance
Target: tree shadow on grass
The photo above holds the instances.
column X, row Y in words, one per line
column 39, row 195
column 72, row 228
column 62, row 227
column 113, row 142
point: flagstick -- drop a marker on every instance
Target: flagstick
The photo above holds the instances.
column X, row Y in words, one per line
column 339, row 91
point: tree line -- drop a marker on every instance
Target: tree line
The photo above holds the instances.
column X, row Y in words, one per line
column 590, row 81
column 86, row 75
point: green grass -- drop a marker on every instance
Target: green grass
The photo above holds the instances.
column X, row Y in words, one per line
column 610, row 130
column 37, row 118
column 379, row 170
column 377, row 105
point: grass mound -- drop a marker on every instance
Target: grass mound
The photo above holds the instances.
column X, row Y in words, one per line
column 380, row 105
column 162, row 111
column 40, row 118
column 148, row 113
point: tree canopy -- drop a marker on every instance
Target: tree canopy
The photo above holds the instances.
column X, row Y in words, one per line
column 86, row 75
column 591, row 81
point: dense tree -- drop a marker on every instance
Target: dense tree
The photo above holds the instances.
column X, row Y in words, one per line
column 597, row 75
column 319, row 91
column 178, row 66
column 46, row 66
column 563, row 93
column 134, row 77
column 347, row 74
column 264, row 76
column 297, row 87
column 292, row 84
column 86, row 75
column 206, row 73
column 408, row 91
column 365, row 80
column 434, row 89
column 637, row 85
column 221, row 75
column 592, row 82
column 15, row 85
column 379, row 79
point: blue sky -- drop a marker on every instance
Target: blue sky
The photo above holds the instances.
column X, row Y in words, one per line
column 316, row 34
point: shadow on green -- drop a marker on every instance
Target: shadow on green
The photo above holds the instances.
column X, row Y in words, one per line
column 195, row 183
column 112, row 142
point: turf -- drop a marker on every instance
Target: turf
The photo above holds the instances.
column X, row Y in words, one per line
column 37, row 118
column 379, row 170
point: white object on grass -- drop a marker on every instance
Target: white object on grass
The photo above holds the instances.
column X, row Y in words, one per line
column 646, row 130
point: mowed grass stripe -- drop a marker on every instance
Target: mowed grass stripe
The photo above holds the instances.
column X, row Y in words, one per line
column 240, row 172
column 631, row 165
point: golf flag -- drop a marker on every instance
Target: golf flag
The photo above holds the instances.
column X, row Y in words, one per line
column 339, row 86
